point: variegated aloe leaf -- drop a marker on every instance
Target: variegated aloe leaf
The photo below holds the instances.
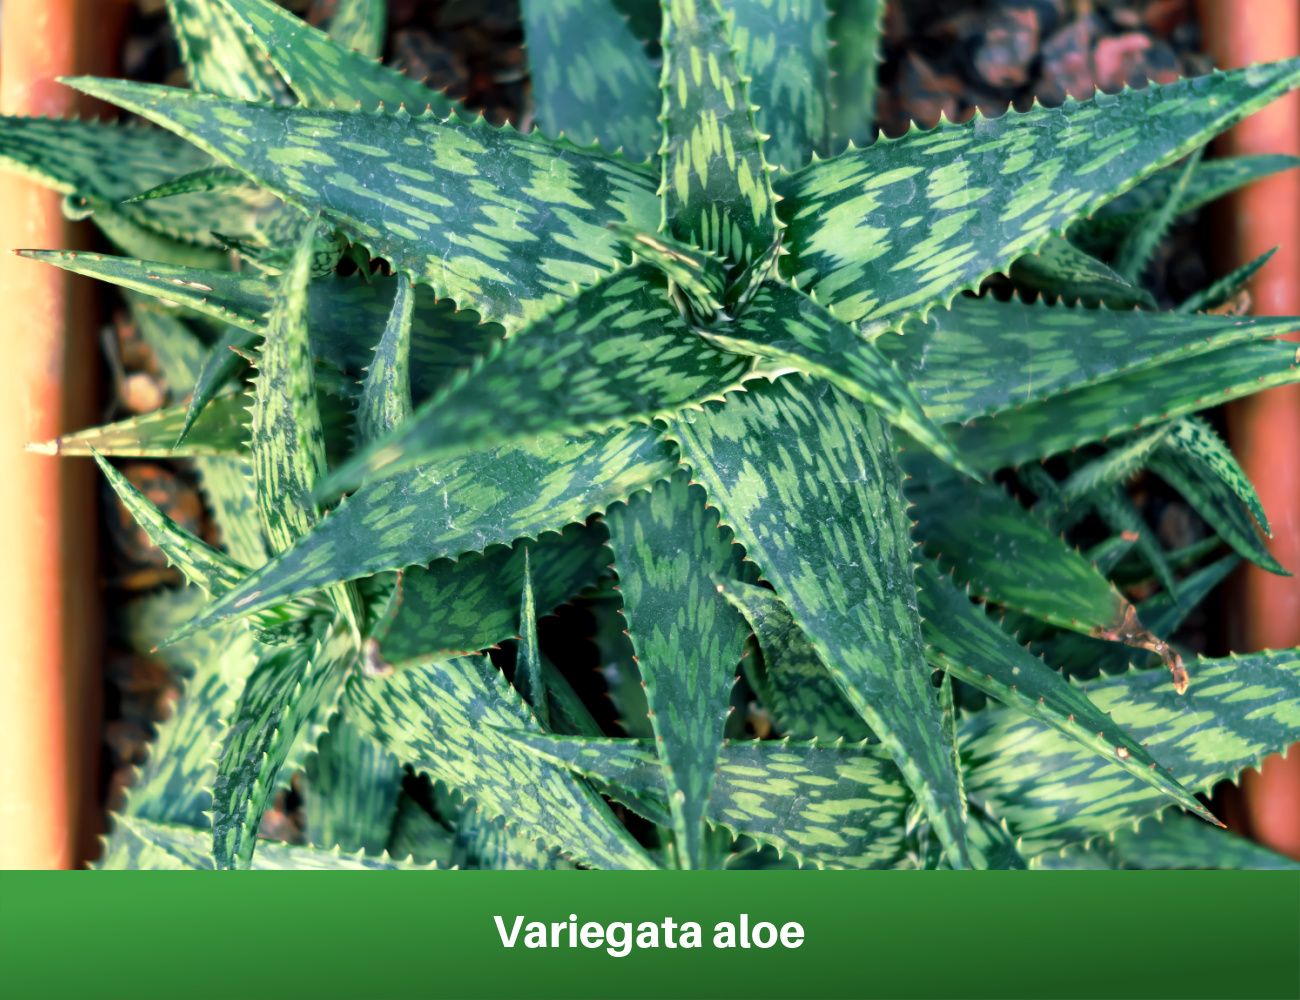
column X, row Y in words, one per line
column 1109, row 469
column 1043, row 351
column 961, row 640
column 204, row 179
column 418, row 836
column 715, row 186
column 462, row 506
column 806, row 478
column 688, row 640
column 1220, row 291
column 225, row 361
column 148, row 846
column 1127, row 404
column 490, row 845
column 1060, row 269
column 883, row 233
column 784, row 325
column 790, row 678
column 783, row 55
column 617, row 353
column 1210, row 181
column 1116, row 508
column 855, row 28
column 386, row 397
column 220, row 56
column 278, row 700
column 1054, row 793
column 350, row 795
column 441, row 717
column 1200, row 444
column 1139, row 243
column 1170, row 841
column 174, row 785
column 990, row 542
column 288, row 438
column 222, row 429
column 473, row 603
column 837, row 806
column 591, row 78
column 360, row 25
column 227, row 484
column 530, row 680
column 323, row 72
column 410, row 202
column 1215, row 501
column 696, row 276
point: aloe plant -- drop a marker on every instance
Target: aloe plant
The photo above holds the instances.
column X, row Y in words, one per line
column 691, row 355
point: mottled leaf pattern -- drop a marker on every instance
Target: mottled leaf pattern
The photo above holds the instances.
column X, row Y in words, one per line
column 462, row 506
column 962, row 640
column 1170, row 841
column 228, row 486
column 386, row 397
column 884, row 232
column 1200, row 443
column 806, row 478
column 360, row 25
column 1061, row 270
column 513, row 256
column 782, row 50
column 1126, row 404
column 837, row 806
column 1054, row 793
column 789, row 678
column 323, row 72
column 146, row 846
column 473, row 603
column 716, row 190
column 221, row 429
column 1046, row 351
column 688, row 640
column 350, row 792
column 783, row 325
column 442, row 718
column 219, row 55
column 591, row 79
column 855, row 28
column 619, row 352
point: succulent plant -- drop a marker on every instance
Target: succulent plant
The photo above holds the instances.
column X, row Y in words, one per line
column 686, row 354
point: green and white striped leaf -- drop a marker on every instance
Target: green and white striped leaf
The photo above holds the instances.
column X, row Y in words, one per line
column 790, row 678
column 617, row 353
column 715, row 186
column 783, row 55
column 462, row 506
column 442, row 717
column 530, row 680
column 1126, row 404
column 1060, row 269
column 227, row 485
column 688, row 640
column 219, row 55
column 278, row 700
column 386, row 397
column 806, row 478
column 961, row 640
column 416, row 203
column 146, row 846
column 1166, row 842
column 855, row 30
column 983, row 357
column 885, row 232
column 1200, row 443
column 473, row 603
column 1054, row 793
column 591, row 78
column 350, row 792
column 323, row 72
column 360, row 25
column 1215, row 501
column 783, row 325
column 837, row 806
column 221, row 429
column 695, row 275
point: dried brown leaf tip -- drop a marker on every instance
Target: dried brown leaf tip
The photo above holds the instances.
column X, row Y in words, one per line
column 1132, row 632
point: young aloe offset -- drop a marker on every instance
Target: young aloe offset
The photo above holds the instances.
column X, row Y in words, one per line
column 669, row 357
